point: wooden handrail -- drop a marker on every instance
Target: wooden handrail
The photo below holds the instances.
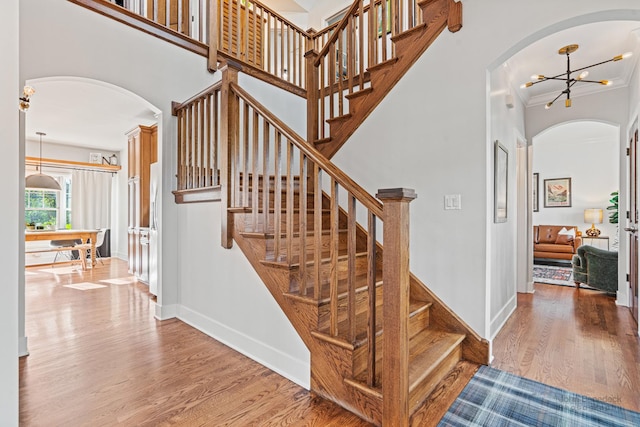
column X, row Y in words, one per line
column 343, row 179
column 203, row 93
column 341, row 26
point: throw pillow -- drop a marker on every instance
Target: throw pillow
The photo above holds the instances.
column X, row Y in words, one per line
column 570, row 232
column 564, row 239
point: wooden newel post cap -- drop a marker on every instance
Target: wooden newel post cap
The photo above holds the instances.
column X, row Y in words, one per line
column 398, row 194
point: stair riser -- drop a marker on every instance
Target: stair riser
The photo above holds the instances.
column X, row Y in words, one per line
column 311, row 245
column 259, row 225
column 420, row 393
column 325, row 272
column 362, row 306
column 417, row 323
column 271, row 199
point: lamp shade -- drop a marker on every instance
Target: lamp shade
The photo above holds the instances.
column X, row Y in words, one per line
column 40, row 181
column 593, row 216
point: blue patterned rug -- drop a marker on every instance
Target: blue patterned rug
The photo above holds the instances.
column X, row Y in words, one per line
column 497, row 398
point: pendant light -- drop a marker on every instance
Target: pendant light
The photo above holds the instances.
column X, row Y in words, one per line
column 567, row 77
column 40, row 181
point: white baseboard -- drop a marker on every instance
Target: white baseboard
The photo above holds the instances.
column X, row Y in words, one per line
column 293, row 369
column 503, row 315
column 23, row 347
column 165, row 312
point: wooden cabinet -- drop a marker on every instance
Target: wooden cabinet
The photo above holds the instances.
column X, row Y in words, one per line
column 142, row 150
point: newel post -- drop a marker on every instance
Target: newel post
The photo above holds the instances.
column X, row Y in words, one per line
column 228, row 132
column 312, row 95
column 395, row 323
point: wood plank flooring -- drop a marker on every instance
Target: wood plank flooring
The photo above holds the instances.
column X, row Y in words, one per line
column 575, row 340
column 99, row 358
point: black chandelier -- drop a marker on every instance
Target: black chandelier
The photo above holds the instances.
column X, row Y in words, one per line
column 568, row 79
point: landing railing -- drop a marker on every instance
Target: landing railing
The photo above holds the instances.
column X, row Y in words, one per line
column 257, row 35
column 271, row 47
column 198, row 121
column 359, row 42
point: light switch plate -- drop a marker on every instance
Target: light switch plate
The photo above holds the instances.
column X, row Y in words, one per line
column 452, row 202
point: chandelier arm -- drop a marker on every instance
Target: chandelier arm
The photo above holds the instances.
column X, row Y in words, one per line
column 559, row 95
column 592, row 65
column 590, row 81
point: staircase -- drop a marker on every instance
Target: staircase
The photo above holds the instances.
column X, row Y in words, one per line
column 382, row 344
column 344, row 99
column 330, row 276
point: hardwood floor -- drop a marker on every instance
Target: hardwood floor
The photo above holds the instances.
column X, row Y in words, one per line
column 575, row 340
column 99, row 358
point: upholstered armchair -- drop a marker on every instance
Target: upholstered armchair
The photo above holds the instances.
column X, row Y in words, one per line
column 596, row 268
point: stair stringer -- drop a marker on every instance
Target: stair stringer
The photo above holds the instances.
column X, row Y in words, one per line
column 409, row 47
column 330, row 363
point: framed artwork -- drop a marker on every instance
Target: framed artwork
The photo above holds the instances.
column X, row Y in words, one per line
column 534, row 190
column 95, row 157
column 557, row 193
column 500, row 169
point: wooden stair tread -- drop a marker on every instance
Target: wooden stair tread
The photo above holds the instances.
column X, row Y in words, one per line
column 361, row 92
column 338, row 119
column 283, row 235
column 410, row 32
column 415, row 308
column 296, row 265
column 426, row 350
column 361, row 286
column 322, row 141
column 445, row 393
column 248, row 209
column 380, row 65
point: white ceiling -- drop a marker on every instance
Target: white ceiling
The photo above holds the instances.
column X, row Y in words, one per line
column 597, row 42
column 84, row 112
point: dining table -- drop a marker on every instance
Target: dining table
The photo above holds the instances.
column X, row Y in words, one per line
column 86, row 236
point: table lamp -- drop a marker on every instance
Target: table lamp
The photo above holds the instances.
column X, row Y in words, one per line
column 593, row 216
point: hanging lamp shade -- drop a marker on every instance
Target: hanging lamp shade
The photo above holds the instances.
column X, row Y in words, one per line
column 40, row 181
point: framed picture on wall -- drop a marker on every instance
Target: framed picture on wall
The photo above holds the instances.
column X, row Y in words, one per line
column 500, row 169
column 534, row 192
column 557, row 193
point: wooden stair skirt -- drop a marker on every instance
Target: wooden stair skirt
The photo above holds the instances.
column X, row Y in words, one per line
column 382, row 77
column 438, row 342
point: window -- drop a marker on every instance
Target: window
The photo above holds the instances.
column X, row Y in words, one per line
column 48, row 208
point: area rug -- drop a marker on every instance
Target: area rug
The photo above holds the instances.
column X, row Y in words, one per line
column 498, row 398
column 553, row 275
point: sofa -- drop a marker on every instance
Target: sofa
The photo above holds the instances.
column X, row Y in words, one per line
column 551, row 242
column 596, row 268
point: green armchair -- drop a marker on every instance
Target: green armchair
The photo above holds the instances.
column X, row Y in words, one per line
column 596, row 268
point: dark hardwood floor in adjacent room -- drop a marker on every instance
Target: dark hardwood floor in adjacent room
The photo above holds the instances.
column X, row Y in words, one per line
column 574, row 340
column 99, row 358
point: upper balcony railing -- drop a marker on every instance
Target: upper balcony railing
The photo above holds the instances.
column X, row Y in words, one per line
column 263, row 41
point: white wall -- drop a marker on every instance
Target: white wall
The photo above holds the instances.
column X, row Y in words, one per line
column 221, row 294
column 506, row 126
column 10, row 231
column 161, row 73
column 590, row 159
column 432, row 133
